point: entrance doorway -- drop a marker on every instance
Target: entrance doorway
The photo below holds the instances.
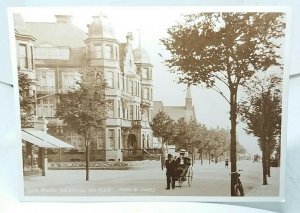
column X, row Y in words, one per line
column 132, row 143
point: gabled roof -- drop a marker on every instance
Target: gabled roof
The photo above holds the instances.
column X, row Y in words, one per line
column 57, row 34
column 20, row 26
column 175, row 112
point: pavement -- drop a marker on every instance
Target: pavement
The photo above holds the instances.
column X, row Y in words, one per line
column 150, row 180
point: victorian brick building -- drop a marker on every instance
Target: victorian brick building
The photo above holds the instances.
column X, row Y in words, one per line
column 55, row 53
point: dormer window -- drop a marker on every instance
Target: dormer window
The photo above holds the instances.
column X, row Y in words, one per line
column 62, row 53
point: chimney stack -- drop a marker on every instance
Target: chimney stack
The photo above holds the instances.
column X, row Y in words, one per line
column 67, row 19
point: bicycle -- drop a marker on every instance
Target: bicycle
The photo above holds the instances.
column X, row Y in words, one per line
column 238, row 187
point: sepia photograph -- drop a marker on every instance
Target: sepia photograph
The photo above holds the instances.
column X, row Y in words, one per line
column 166, row 102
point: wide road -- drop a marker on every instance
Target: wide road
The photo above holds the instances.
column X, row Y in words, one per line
column 208, row 180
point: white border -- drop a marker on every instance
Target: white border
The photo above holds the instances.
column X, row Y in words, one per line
column 281, row 198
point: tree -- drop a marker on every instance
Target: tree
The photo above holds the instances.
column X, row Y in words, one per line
column 181, row 134
column 261, row 111
column 187, row 136
column 224, row 48
column 163, row 126
column 27, row 99
column 85, row 108
column 203, row 140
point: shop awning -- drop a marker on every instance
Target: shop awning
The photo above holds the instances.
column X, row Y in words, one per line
column 42, row 139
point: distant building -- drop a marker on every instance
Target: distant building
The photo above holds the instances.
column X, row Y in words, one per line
column 55, row 53
column 177, row 112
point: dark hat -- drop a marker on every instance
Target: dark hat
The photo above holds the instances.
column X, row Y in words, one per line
column 169, row 155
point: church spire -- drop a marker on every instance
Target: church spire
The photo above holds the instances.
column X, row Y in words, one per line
column 188, row 92
column 188, row 99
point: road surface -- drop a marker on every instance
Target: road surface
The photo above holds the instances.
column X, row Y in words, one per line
column 208, row 180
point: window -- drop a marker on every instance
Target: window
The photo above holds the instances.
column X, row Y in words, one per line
column 148, row 141
column 146, row 93
column 75, row 140
column 100, row 141
column 51, row 111
column 122, row 84
column 119, row 139
column 98, row 51
column 23, row 56
column 116, row 52
column 63, row 53
column 111, row 109
column 124, row 113
column 119, row 109
column 31, row 55
column 118, row 84
column 136, row 88
column 46, row 81
column 111, row 138
column 45, row 107
column 69, row 80
column 108, row 52
column 146, row 73
column 136, row 113
column 110, row 79
column 131, row 112
column 130, row 87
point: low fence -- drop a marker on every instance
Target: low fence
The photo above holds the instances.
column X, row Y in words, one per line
column 105, row 165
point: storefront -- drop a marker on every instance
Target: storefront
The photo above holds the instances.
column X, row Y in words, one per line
column 34, row 147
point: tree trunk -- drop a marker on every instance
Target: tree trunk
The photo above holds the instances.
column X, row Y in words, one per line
column 201, row 157
column 264, row 143
column 264, row 163
column 209, row 156
column 87, row 160
column 268, row 161
column 233, row 117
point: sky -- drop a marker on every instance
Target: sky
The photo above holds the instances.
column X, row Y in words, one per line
column 148, row 26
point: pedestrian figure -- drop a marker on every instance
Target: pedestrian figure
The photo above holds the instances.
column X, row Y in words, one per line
column 171, row 171
column 226, row 163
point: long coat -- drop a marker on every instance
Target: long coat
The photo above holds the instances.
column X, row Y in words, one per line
column 171, row 168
